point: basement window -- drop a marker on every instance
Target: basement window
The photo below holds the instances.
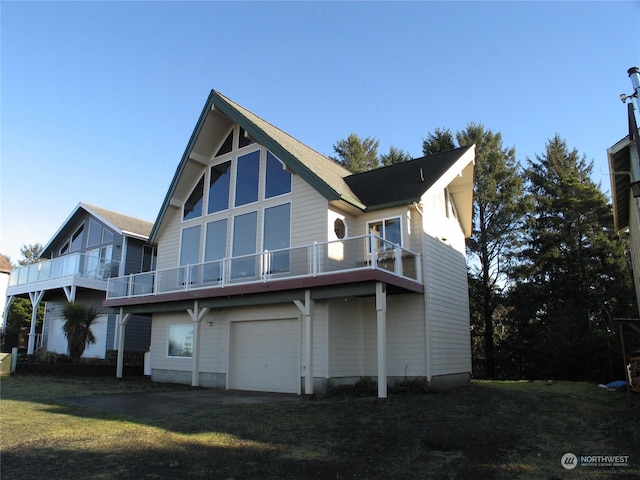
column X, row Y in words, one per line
column 180, row 342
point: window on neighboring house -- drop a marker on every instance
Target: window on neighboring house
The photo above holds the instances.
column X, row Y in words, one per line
column 277, row 235
column 247, row 174
column 244, row 243
column 149, row 254
column 390, row 231
column 278, row 180
column 193, row 205
column 95, row 233
column 76, row 240
column 180, row 342
column 219, row 187
column 107, row 235
column 92, row 262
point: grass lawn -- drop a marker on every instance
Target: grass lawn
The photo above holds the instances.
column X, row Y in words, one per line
column 501, row 430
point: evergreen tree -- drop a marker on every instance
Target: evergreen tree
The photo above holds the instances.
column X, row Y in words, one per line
column 497, row 224
column 16, row 330
column 394, row 156
column 357, row 154
column 574, row 268
column 30, row 254
column 441, row 140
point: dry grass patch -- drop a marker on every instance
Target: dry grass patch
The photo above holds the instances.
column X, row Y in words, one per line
column 501, row 430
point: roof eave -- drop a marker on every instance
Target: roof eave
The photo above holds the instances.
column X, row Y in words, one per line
column 180, row 169
column 282, row 153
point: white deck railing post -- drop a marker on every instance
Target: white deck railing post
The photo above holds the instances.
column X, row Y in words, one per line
column 314, row 259
column 398, row 260
column 374, row 251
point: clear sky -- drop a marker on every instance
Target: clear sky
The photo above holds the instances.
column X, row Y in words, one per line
column 99, row 99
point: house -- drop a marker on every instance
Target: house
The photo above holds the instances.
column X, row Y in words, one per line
column 5, row 271
column 92, row 245
column 278, row 270
column 624, row 167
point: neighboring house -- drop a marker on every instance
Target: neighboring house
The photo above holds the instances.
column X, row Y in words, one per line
column 279, row 270
column 92, row 245
column 5, row 270
column 624, row 167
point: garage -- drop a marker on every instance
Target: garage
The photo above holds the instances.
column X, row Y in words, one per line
column 264, row 356
column 57, row 341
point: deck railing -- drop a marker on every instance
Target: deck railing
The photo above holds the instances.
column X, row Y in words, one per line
column 64, row 266
column 349, row 254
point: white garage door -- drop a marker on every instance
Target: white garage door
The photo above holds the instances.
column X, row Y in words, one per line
column 264, row 356
column 57, row 342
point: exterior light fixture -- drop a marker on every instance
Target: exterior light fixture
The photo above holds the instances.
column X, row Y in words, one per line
column 635, row 189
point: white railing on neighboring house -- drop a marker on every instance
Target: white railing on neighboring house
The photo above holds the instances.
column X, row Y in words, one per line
column 67, row 265
column 349, row 254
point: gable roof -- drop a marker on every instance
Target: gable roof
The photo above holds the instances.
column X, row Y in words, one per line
column 361, row 191
column 130, row 226
column 322, row 173
column 122, row 224
column 405, row 182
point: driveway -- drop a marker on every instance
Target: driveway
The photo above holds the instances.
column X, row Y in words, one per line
column 156, row 405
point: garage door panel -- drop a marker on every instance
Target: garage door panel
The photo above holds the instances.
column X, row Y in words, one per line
column 264, row 356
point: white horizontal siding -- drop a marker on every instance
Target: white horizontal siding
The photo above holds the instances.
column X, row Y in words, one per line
column 309, row 213
column 169, row 239
column 345, row 338
column 406, row 346
column 447, row 307
column 320, row 340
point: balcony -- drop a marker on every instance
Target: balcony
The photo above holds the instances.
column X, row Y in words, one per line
column 74, row 269
column 353, row 254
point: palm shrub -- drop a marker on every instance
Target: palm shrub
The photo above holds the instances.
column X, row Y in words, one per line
column 79, row 319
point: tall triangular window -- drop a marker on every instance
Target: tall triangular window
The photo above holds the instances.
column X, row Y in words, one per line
column 244, row 139
column 227, row 146
column 193, row 205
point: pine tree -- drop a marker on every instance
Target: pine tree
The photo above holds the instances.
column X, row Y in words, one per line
column 441, row 140
column 394, row 156
column 357, row 154
column 573, row 260
column 497, row 223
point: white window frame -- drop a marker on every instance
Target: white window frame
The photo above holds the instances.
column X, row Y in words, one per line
column 383, row 233
column 180, row 325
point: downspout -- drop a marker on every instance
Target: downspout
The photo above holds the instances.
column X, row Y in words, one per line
column 425, row 279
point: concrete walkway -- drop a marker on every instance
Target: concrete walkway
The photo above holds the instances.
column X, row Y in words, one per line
column 166, row 404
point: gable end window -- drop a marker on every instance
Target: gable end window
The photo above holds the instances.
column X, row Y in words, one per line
column 278, row 180
column 247, row 176
column 219, row 187
column 193, row 205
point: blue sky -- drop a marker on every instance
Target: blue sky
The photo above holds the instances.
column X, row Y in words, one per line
column 99, row 99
